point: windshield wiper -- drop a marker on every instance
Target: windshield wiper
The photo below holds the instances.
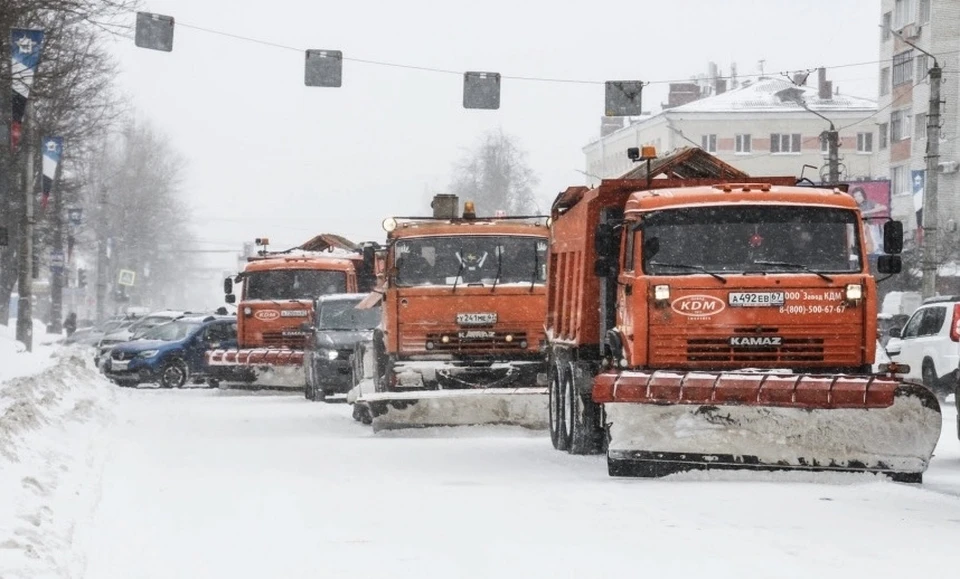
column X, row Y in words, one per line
column 795, row 266
column 536, row 266
column 459, row 270
column 499, row 269
column 699, row 268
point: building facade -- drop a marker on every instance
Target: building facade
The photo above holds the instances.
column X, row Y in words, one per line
column 932, row 26
column 758, row 127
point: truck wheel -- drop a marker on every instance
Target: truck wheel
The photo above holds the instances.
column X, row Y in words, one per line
column 557, row 438
column 174, row 374
column 585, row 435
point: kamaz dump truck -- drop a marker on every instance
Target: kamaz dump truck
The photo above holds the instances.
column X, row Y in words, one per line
column 463, row 303
column 277, row 301
column 699, row 318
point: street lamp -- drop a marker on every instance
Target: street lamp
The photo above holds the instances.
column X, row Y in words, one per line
column 793, row 95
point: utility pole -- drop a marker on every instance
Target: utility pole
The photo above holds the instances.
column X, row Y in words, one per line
column 833, row 154
column 25, row 281
column 930, row 204
column 56, row 278
column 102, row 258
column 928, row 246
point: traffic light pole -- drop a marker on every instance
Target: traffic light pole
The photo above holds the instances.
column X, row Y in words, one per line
column 102, row 261
column 833, row 155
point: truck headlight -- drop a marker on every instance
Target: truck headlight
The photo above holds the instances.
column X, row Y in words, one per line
column 661, row 292
column 854, row 292
column 148, row 353
column 330, row 354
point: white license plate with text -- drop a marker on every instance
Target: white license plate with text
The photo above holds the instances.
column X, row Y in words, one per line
column 477, row 319
column 756, row 299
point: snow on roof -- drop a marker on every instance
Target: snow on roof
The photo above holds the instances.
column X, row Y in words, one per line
column 762, row 96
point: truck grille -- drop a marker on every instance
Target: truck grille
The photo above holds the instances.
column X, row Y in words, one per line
column 477, row 344
column 277, row 339
column 720, row 350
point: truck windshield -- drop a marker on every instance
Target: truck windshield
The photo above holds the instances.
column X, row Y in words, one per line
column 471, row 260
column 293, row 284
column 344, row 315
column 750, row 239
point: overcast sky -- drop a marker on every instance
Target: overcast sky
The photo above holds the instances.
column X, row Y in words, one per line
column 268, row 156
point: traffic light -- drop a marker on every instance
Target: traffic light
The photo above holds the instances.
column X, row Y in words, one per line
column 81, row 277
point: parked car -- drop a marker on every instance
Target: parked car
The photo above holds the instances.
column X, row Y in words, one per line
column 337, row 329
column 171, row 354
column 132, row 332
column 930, row 344
column 91, row 335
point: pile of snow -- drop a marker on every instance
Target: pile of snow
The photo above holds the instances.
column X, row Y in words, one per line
column 14, row 358
column 51, row 426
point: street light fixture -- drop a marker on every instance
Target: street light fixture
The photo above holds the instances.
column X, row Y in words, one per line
column 794, row 95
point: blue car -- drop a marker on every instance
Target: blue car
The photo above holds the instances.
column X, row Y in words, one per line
column 171, row 354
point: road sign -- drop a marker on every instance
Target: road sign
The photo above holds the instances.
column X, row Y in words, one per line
column 56, row 258
column 75, row 215
column 127, row 277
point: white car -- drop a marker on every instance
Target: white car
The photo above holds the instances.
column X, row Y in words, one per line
column 930, row 344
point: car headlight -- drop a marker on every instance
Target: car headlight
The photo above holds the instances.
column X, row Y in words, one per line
column 148, row 353
column 329, row 354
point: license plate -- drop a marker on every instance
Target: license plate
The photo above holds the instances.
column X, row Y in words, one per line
column 756, row 299
column 478, row 319
column 118, row 364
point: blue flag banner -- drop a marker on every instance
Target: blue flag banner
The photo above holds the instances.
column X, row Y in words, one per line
column 25, row 47
column 52, row 150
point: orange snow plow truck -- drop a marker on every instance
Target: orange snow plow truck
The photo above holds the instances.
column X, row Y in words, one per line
column 464, row 300
column 279, row 290
column 702, row 319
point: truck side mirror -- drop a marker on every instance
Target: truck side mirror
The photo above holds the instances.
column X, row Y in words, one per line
column 228, row 286
column 893, row 237
column 889, row 264
column 230, row 299
column 605, row 241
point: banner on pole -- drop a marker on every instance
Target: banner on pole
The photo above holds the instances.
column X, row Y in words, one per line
column 25, row 47
column 52, row 151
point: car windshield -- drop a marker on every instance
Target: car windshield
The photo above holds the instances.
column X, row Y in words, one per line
column 293, row 284
column 471, row 260
column 171, row 332
column 750, row 239
column 344, row 315
column 139, row 328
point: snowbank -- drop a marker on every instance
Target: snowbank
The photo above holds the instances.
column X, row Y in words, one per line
column 51, row 452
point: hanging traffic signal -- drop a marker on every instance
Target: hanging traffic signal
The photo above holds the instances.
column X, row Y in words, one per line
column 81, row 277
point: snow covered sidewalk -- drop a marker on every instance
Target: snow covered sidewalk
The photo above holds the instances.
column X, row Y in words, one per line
column 54, row 407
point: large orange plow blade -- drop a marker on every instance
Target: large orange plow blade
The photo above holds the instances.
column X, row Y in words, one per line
column 663, row 422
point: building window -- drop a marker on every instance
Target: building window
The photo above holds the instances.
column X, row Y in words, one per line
column 924, row 11
column 883, row 135
column 903, row 68
column 743, row 144
column 920, row 126
column 784, row 143
column 709, row 143
column 884, row 80
column 899, row 184
column 904, row 13
column 900, row 125
column 887, row 23
column 922, row 69
column 864, row 142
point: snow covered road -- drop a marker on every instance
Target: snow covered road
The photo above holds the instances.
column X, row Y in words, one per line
column 228, row 484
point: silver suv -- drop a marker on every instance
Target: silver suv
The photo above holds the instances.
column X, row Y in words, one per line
column 930, row 344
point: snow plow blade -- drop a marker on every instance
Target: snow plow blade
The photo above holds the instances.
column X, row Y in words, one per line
column 662, row 423
column 526, row 407
column 258, row 367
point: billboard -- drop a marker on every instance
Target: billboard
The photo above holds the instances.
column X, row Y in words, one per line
column 873, row 197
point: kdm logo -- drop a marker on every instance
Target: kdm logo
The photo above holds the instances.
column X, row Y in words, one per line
column 698, row 305
column 267, row 315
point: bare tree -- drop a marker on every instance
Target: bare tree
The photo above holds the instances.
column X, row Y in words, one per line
column 495, row 175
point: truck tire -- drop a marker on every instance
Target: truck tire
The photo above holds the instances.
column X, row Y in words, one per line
column 557, row 437
column 584, row 431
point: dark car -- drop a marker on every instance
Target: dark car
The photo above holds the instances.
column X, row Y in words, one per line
column 171, row 354
column 338, row 327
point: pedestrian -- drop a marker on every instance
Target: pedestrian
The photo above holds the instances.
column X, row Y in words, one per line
column 70, row 324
